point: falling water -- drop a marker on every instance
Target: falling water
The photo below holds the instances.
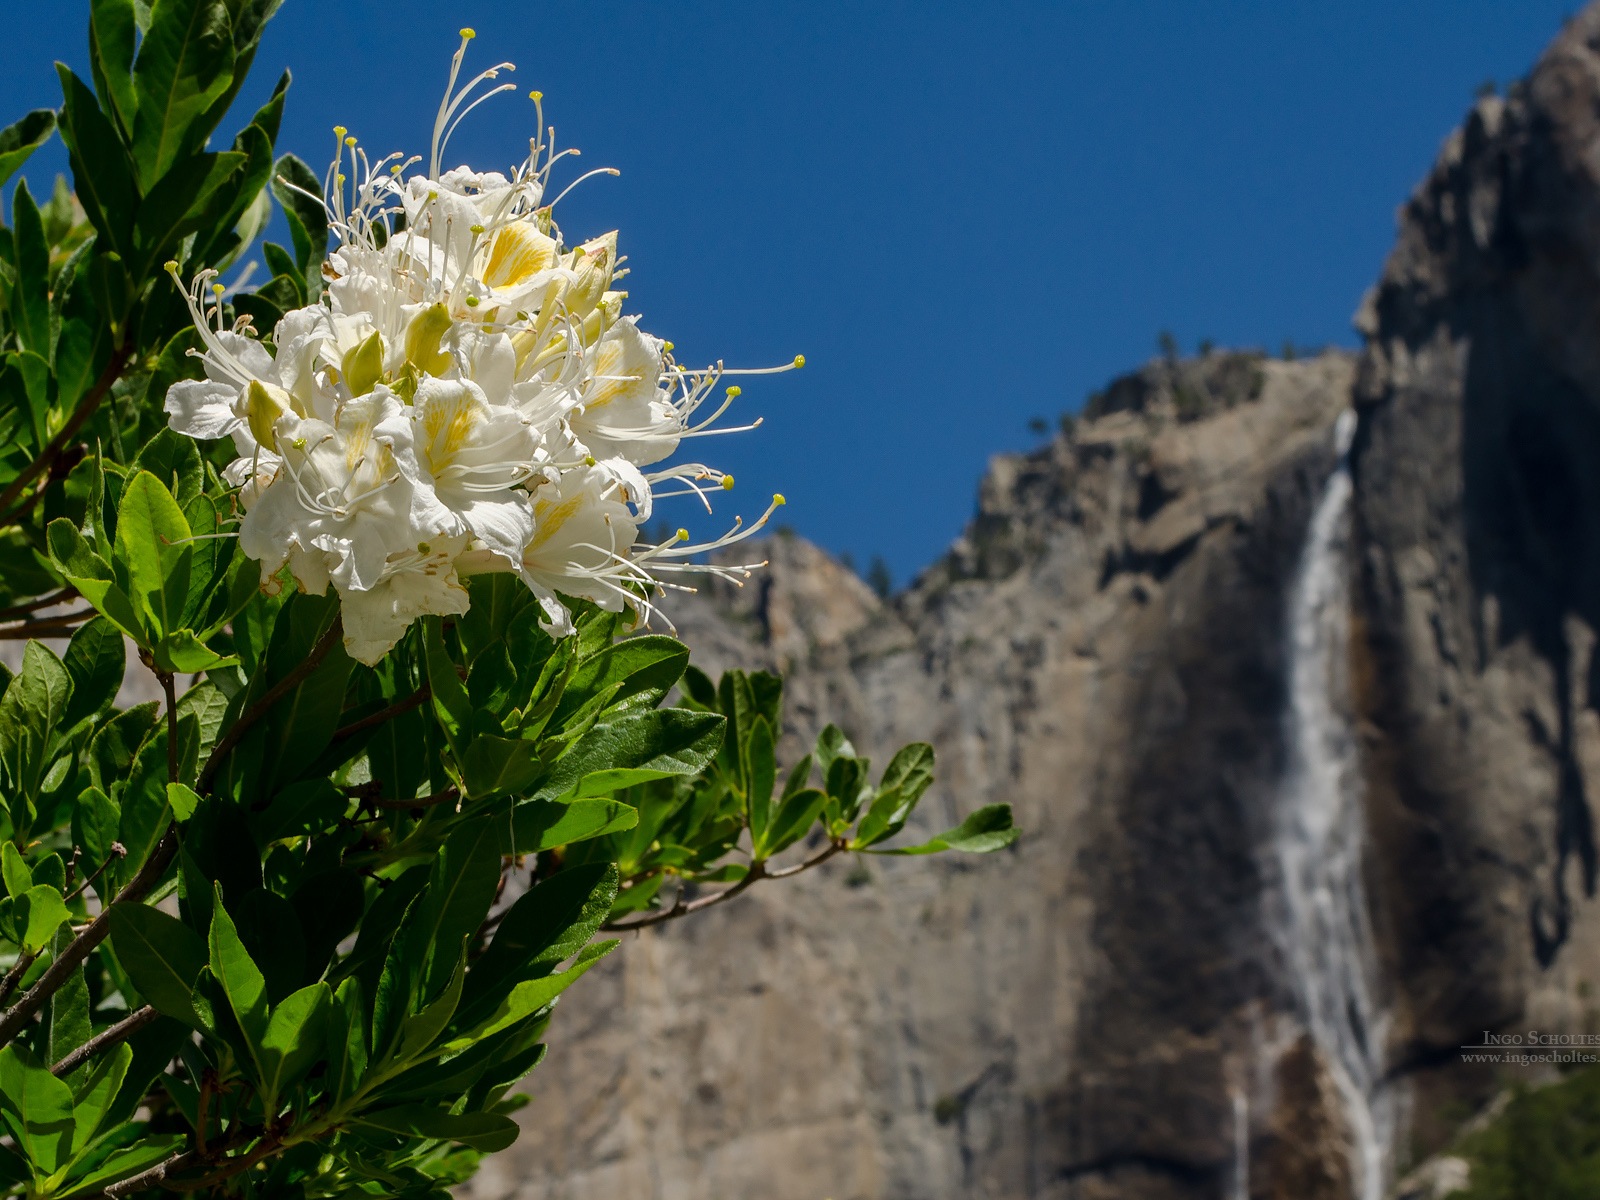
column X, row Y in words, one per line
column 1326, row 930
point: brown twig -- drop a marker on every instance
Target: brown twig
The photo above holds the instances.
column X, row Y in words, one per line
column 160, row 1174
column 170, row 692
column 91, row 401
column 91, row 935
column 46, row 626
column 445, row 797
column 116, row 1034
column 118, row 851
column 14, row 976
column 262, row 706
column 22, row 610
column 208, row 1080
column 416, row 700
column 758, row 871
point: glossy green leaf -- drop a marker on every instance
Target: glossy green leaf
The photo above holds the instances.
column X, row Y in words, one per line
column 986, row 830
column 185, row 62
column 241, row 980
column 546, row 824
column 162, row 956
column 293, row 1039
column 347, row 1040
column 111, row 45
column 21, row 138
column 101, row 173
column 96, row 661
column 94, row 1090
column 548, row 924
column 634, row 748
column 93, row 576
column 796, row 814
column 18, row 878
column 116, row 743
column 906, row 778
column 31, row 710
column 151, row 557
column 95, row 823
column 761, row 767
column 37, row 1108
column 40, row 911
column 30, row 294
column 460, row 890
column 531, row 995
column 482, row 1131
column 67, row 1025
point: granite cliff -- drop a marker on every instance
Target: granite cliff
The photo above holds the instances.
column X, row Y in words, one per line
column 1106, row 1013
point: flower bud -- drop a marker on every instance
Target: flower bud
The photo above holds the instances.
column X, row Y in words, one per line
column 264, row 403
column 362, row 366
column 426, row 331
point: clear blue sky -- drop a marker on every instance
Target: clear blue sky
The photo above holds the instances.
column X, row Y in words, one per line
column 964, row 215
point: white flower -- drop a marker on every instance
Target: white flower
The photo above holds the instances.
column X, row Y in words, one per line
column 476, row 456
column 466, row 396
column 626, row 411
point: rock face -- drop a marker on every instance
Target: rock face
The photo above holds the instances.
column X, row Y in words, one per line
column 1478, row 504
column 1104, row 650
column 1100, row 1014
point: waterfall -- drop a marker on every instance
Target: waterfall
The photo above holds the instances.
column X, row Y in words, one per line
column 1325, row 927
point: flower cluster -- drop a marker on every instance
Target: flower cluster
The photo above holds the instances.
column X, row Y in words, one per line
column 467, row 396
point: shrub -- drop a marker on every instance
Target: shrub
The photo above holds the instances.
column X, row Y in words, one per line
column 297, row 929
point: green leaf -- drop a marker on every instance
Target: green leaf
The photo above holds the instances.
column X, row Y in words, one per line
column 497, row 766
column 67, row 1024
column 761, row 767
column 531, row 995
column 176, row 205
column 85, row 570
column 40, row 911
column 347, row 1041
column 241, row 980
column 31, row 710
column 460, row 890
column 794, row 818
column 182, row 652
column 449, row 695
column 176, row 463
column 126, row 1163
column 986, row 830
column 116, row 744
column 93, row 1092
column 547, row 925
column 95, row 824
column 299, row 189
column 151, row 558
column 111, row 43
column 481, row 1130
column 182, row 800
column 21, row 138
column 638, row 671
column 17, row 876
column 100, row 169
column 293, row 1040
column 30, row 295
column 37, row 1108
column 907, row 777
column 162, row 957
column 545, row 824
column 96, row 661
column 185, row 62
column 635, row 748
